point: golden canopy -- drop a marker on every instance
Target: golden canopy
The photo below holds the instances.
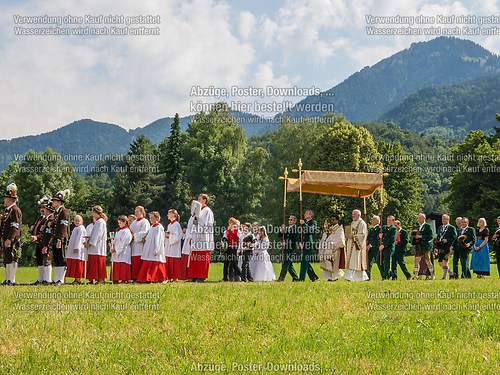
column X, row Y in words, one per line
column 347, row 184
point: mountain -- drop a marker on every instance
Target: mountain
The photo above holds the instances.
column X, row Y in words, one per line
column 89, row 137
column 451, row 111
column 389, row 90
column 78, row 138
column 369, row 93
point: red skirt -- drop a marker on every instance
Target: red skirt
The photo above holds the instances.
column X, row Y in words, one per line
column 121, row 272
column 173, row 268
column 183, row 273
column 75, row 268
column 136, row 266
column 152, row 272
column 96, row 267
column 199, row 264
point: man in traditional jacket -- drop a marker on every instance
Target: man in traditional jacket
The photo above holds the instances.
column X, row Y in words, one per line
column 60, row 235
column 10, row 232
column 387, row 246
column 422, row 240
column 399, row 252
column 373, row 243
column 36, row 237
column 463, row 246
column 292, row 240
column 309, row 229
column 445, row 238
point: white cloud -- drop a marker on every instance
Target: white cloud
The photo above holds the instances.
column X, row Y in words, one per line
column 131, row 81
column 247, row 24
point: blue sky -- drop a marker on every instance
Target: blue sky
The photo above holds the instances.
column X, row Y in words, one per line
column 50, row 81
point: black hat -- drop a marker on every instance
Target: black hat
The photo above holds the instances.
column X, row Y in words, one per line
column 11, row 191
column 61, row 196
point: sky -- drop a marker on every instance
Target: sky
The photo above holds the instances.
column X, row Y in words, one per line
column 48, row 81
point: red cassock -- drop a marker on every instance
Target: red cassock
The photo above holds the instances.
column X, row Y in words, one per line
column 96, row 267
column 153, row 267
column 121, row 272
column 201, row 245
column 136, row 266
column 75, row 268
column 152, row 272
column 183, row 268
column 199, row 264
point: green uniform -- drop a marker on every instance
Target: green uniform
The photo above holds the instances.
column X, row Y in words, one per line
column 399, row 255
column 292, row 239
column 464, row 249
column 389, row 235
column 309, row 230
column 456, row 257
column 373, row 253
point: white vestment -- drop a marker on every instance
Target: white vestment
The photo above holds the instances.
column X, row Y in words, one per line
column 121, row 243
column 98, row 238
column 173, row 242
column 356, row 252
column 330, row 247
column 154, row 247
column 203, row 231
column 138, row 228
column 76, row 242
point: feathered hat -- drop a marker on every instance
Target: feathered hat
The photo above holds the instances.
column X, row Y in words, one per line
column 43, row 203
column 61, row 196
column 11, row 191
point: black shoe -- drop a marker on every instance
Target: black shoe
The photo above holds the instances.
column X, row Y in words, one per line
column 6, row 282
column 408, row 277
column 279, row 280
column 36, row 283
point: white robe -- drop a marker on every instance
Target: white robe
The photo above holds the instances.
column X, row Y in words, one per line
column 203, row 231
column 173, row 242
column 329, row 252
column 186, row 248
column 263, row 268
column 154, row 247
column 76, row 241
column 356, row 252
column 98, row 238
column 121, row 243
column 137, row 227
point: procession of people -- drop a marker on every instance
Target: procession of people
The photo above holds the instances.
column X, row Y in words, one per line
column 143, row 250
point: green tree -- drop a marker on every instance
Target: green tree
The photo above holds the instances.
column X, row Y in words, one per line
column 137, row 182
column 251, row 180
column 215, row 147
column 402, row 183
column 175, row 193
column 473, row 191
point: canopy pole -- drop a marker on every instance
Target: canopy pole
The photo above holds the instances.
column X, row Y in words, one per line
column 364, row 207
column 300, row 200
column 285, row 179
column 381, row 212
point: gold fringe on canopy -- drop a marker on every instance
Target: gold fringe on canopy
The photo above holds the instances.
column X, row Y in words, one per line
column 347, row 184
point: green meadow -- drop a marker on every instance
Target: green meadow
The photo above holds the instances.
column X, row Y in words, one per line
column 376, row 327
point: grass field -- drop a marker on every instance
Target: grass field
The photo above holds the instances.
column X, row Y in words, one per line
column 376, row 327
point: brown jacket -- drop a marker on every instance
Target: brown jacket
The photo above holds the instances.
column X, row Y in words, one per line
column 60, row 231
column 10, row 228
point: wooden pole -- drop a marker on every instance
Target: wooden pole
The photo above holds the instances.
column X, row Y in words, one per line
column 285, row 179
column 300, row 200
column 381, row 213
